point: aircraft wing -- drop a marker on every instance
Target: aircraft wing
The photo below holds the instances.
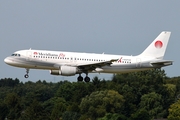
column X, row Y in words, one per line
column 93, row 66
column 162, row 63
column 88, row 66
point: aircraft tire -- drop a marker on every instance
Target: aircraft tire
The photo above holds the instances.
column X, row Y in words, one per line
column 26, row 75
column 86, row 79
column 80, row 78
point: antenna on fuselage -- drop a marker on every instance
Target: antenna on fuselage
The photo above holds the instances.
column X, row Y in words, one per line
column 29, row 48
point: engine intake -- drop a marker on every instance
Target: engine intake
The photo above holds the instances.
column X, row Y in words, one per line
column 65, row 71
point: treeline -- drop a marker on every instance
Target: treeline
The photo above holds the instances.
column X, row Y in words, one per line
column 134, row 96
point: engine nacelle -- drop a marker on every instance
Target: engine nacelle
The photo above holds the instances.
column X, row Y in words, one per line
column 65, row 70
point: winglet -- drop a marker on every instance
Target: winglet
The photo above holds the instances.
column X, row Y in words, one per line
column 158, row 47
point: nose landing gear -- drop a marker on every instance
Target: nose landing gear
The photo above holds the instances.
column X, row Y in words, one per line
column 26, row 75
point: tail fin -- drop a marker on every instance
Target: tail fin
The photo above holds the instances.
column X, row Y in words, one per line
column 157, row 48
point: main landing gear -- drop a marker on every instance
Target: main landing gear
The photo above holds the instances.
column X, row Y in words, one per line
column 80, row 78
column 86, row 79
column 26, row 75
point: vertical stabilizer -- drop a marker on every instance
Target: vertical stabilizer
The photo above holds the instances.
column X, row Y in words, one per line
column 158, row 47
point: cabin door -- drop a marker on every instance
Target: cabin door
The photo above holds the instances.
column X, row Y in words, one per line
column 28, row 55
column 138, row 62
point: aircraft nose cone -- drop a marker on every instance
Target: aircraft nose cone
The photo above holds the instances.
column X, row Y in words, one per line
column 6, row 60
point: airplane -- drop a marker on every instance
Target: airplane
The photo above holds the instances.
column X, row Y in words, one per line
column 72, row 63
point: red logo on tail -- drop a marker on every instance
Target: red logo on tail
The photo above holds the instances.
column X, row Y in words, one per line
column 158, row 44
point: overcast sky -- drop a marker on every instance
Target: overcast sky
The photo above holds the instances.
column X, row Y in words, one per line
column 111, row 26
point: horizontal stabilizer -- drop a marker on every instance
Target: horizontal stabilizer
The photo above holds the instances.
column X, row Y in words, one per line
column 162, row 63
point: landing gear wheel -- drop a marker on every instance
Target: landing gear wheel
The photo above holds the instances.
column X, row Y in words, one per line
column 86, row 79
column 26, row 75
column 80, row 78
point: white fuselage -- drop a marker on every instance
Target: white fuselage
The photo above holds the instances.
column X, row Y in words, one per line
column 40, row 59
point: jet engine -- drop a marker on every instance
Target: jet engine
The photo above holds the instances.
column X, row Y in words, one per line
column 65, row 71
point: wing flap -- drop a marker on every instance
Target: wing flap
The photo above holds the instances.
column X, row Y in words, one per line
column 99, row 63
column 93, row 66
column 87, row 66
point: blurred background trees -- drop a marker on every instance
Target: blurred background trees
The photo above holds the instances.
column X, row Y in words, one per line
column 132, row 96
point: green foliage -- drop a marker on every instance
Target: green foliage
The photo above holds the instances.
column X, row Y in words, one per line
column 152, row 103
column 141, row 114
column 12, row 102
column 174, row 111
column 9, row 82
column 168, row 93
column 3, row 110
column 115, row 116
column 171, row 89
column 132, row 96
column 34, row 112
column 59, row 107
column 70, row 115
column 134, row 85
column 98, row 103
column 73, row 91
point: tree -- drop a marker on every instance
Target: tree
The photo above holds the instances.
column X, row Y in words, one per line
column 34, row 112
column 137, row 95
column 98, row 103
column 115, row 116
column 3, row 110
column 134, row 85
column 59, row 108
column 68, row 115
column 13, row 104
column 174, row 111
column 152, row 102
column 73, row 92
column 9, row 82
column 65, row 91
column 96, row 82
column 141, row 114
column 168, row 94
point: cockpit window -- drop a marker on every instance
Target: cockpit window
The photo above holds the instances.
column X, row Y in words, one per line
column 14, row 54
